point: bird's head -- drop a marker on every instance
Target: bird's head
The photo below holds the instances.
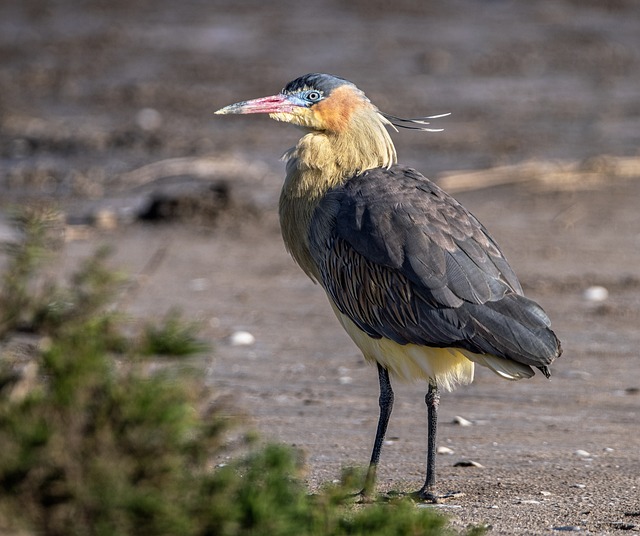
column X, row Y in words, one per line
column 320, row 102
column 315, row 101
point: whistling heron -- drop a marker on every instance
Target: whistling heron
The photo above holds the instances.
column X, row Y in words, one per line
column 413, row 277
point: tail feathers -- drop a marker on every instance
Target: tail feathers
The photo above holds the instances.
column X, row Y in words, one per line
column 515, row 328
column 505, row 368
column 546, row 371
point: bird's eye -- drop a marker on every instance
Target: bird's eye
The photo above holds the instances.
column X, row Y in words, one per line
column 313, row 96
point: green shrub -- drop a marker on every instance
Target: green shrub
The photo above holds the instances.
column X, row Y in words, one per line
column 174, row 337
column 95, row 450
column 94, row 442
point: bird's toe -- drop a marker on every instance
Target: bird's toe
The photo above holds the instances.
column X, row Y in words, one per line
column 431, row 496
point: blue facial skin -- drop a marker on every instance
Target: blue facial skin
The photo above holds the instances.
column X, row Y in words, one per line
column 306, row 98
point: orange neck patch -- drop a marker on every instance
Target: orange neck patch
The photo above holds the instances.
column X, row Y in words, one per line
column 335, row 111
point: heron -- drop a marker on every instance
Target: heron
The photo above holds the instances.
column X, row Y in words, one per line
column 413, row 277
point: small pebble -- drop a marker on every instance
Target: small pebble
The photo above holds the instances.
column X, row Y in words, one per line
column 621, row 525
column 345, row 380
column 242, row 338
column 149, row 119
column 468, row 463
column 595, row 293
column 461, row 421
column 444, row 450
column 582, row 453
column 568, row 528
column 528, row 501
column 579, row 486
column 545, row 493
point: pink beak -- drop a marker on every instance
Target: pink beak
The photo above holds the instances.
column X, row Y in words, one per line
column 264, row 105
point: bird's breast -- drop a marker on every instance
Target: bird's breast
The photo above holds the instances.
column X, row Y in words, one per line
column 448, row 367
column 298, row 200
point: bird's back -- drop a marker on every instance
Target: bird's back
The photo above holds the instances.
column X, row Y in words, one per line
column 406, row 263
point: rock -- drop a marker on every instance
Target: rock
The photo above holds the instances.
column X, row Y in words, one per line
column 468, row 463
column 444, row 450
column 187, row 199
column 149, row 119
column 623, row 525
column 595, row 293
column 242, row 338
column 461, row 421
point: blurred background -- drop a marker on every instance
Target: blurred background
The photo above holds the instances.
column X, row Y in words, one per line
column 90, row 90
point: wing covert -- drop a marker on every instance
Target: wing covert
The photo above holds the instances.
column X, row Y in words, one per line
column 405, row 261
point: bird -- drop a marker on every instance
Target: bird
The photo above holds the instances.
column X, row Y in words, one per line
column 416, row 281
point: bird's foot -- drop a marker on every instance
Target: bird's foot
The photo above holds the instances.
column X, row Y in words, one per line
column 429, row 495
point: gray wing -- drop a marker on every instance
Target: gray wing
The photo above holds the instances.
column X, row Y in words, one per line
column 405, row 261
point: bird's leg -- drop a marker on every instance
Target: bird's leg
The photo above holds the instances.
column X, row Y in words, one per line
column 386, row 405
column 432, row 399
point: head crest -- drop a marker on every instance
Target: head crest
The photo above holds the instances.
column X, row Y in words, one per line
column 325, row 83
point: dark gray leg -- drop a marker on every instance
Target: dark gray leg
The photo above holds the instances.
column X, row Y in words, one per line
column 432, row 399
column 386, row 405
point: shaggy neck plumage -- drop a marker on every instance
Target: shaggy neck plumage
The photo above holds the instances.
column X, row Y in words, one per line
column 323, row 160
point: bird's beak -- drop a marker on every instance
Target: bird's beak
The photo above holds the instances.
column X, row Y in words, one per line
column 265, row 105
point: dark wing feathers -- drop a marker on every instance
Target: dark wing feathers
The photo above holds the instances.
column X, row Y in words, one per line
column 405, row 261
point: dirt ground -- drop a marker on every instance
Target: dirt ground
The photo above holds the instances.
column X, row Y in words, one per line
column 107, row 106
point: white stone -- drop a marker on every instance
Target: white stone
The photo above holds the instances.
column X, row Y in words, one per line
column 461, row 421
column 242, row 338
column 595, row 293
column 149, row 119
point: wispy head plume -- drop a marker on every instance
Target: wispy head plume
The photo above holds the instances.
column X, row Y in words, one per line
column 416, row 123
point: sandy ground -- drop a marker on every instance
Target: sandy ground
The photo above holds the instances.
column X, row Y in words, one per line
column 91, row 94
